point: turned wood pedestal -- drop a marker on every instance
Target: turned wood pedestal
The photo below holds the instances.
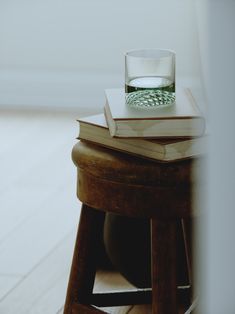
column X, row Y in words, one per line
column 109, row 181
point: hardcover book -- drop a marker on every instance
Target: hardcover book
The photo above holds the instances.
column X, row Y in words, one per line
column 182, row 119
column 94, row 129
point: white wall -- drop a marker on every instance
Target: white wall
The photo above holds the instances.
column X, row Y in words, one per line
column 55, row 52
column 217, row 232
column 221, row 215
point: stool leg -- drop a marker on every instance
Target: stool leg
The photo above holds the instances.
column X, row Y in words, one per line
column 164, row 283
column 187, row 233
column 83, row 269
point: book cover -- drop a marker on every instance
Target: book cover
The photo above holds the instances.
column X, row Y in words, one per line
column 94, row 129
column 182, row 119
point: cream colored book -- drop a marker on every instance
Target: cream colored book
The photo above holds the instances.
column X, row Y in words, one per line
column 183, row 119
column 94, row 129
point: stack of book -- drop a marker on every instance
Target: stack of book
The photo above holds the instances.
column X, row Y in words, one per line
column 165, row 134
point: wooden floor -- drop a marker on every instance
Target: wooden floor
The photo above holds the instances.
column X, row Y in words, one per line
column 39, row 213
column 38, row 209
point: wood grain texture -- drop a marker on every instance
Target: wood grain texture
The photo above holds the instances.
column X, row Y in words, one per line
column 141, row 188
column 27, row 240
column 85, row 309
column 7, row 284
column 164, row 279
column 120, row 167
column 38, row 209
column 134, row 200
column 83, row 267
column 43, row 289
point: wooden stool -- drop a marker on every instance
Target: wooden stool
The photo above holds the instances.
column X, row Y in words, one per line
column 110, row 181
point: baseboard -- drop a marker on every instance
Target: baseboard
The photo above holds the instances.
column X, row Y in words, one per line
column 67, row 90
column 55, row 89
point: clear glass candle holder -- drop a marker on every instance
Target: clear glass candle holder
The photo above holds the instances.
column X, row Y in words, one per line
column 150, row 78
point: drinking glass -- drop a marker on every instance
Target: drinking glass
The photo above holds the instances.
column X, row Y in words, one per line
column 150, row 78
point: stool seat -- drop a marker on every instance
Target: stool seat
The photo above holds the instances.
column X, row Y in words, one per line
column 120, row 167
column 132, row 186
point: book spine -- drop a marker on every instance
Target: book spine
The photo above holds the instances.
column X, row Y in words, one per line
column 175, row 128
column 110, row 122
